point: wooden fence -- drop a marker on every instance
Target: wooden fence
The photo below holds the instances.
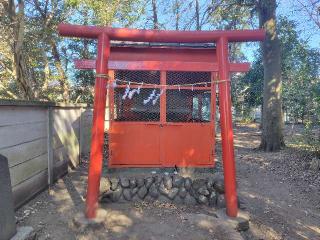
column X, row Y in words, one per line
column 42, row 141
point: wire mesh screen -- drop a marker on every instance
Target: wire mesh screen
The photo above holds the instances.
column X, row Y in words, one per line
column 176, row 78
column 150, row 77
column 137, row 108
column 188, row 106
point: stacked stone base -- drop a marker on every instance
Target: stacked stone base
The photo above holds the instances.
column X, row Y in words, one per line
column 165, row 188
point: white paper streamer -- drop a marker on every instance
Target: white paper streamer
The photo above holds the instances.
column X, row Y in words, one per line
column 150, row 97
column 126, row 92
column 154, row 101
column 131, row 93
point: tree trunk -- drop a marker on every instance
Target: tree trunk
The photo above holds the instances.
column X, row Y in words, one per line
column 272, row 122
column 177, row 13
column 18, row 24
column 198, row 27
column 155, row 14
column 46, row 72
column 63, row 78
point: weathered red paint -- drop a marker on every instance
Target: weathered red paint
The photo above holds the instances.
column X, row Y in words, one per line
column 163, row 58
column 135, row 35
column 97, row 141
column 162, row 143
column 226, row 128
column 158, row 65
column 103, row 34
column 164, row 53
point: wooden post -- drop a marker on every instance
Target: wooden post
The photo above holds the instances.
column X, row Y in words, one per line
column 80, row 134
column 96, row 155
column 229, row 167
column 49, row 145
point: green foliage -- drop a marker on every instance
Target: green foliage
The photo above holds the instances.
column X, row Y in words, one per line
column 102, row 12
column 248, row 87
column 49, row 57
column 300, row 64
column 233, row 14
column 311, row 136
column 300, row 74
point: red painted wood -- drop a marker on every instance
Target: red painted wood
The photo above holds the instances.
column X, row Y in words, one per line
column 135, row 144
column 154, row 166
column 226, row 129
column 137, row 35
column 239, row 67
column 221, row 37
column 188, row 145
column 100, row 91
column 164, row 53
column 162, row 58
column 161, row 144
column 162, row 66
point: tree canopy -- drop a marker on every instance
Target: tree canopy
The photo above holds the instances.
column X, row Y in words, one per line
column 35, row 63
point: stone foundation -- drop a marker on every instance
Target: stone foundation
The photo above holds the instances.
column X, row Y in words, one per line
column 167, row 188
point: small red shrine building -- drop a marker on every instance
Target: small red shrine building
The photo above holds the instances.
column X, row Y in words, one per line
column 178, row 129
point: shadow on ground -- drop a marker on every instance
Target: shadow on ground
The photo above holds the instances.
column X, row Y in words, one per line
column 282, row 204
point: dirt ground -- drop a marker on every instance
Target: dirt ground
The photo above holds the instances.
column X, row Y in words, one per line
column 280, row 193
column 278, row 190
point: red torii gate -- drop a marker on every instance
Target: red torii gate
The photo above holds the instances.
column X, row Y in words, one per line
column 104, row 35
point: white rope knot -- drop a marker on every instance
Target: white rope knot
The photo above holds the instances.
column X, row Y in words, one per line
column 221, row 81
column 103, row 75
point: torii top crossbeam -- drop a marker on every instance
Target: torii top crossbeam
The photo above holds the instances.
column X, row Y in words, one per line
column 104, row 35
column 135, row 35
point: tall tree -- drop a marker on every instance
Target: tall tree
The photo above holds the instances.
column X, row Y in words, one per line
column 198, row 26
column 300, row 78
column 272, row 120
column 16, row 17
column 155, row 14
column 272, row 123
column 48, row 19
column 176, row 12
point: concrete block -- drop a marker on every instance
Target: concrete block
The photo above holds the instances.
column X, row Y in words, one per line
column 82, row 223
column 239, row 223
column 24, row 233
column 7, row 219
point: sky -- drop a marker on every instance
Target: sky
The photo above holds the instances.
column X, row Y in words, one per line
column 309, row 31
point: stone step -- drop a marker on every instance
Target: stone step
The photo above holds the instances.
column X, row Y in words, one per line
column 201, row 189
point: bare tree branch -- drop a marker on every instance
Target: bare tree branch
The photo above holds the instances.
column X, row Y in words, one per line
column 312, row 9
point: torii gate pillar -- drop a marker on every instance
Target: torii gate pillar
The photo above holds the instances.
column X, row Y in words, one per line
column 97, row 141
column 226, row 128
